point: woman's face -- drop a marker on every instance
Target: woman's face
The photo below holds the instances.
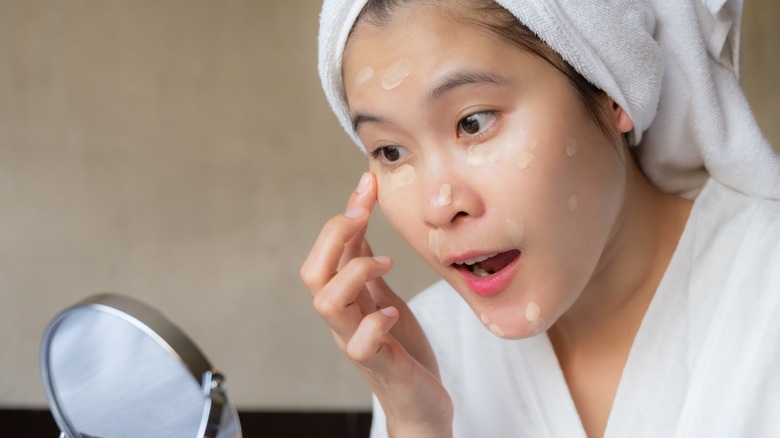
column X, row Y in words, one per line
column 487, row 164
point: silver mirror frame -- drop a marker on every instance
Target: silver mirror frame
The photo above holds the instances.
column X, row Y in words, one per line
column 217, row 408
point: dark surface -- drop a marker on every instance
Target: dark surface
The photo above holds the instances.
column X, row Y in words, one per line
column 21, row 423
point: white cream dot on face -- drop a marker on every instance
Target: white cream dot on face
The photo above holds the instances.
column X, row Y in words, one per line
column 532, row 312
column 435, row 239
column 484, row 318
column 573, row 202
column 395, row 74
column 445, row 195
column 364, row 76
column 526, row 158
column 571, row 147
column 401, row 177
column 496, row 330
column 482, row 154
column 515, row 230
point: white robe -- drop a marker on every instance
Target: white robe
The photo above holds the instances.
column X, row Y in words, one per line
column 705, row 361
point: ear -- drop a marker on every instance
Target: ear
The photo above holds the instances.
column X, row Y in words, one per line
column 620, row 118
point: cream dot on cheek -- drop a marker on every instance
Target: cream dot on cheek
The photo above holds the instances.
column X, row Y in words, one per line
column 526, row 158
column 435, row 240
column 571, row 147
column 482, row 154
column 445, row 196
column 401, row 177
column 573, row 202
column 395, row 74
column 515, row 230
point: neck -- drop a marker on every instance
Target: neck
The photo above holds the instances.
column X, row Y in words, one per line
column 612, row 305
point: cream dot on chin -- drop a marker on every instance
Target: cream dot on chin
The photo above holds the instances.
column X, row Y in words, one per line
column 496, row 330
column 532, row 312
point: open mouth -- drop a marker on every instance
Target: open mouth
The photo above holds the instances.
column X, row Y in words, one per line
column 487, row 265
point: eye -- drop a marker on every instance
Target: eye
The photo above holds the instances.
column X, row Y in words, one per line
column 388, row 154
column 476, row 123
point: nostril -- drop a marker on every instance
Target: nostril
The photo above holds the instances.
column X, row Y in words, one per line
column 460, row 214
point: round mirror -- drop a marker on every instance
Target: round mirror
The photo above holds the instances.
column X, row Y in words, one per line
column 114, row 367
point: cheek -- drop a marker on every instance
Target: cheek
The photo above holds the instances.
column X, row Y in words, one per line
column 396, row 195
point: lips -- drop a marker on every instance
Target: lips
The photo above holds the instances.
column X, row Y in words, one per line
column 489, row 274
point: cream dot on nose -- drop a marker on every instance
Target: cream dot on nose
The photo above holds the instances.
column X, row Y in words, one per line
column 445, row 196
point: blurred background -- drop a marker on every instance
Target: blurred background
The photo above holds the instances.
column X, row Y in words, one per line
column 183, row 153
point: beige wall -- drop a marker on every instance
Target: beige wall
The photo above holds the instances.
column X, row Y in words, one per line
column 183, row 153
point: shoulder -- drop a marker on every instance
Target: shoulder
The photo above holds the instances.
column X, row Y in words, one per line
column 732, row 228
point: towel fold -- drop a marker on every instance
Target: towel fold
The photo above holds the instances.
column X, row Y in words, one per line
column 672, row 65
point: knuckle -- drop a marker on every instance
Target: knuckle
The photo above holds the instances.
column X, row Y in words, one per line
column 358, row 352
column 324, row 305
column 308, row 276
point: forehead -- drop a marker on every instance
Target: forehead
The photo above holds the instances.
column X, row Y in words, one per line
column 427, row 34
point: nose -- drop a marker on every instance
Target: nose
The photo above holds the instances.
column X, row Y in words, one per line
column 449, row 201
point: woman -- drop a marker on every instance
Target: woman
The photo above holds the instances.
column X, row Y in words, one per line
column 578, row 297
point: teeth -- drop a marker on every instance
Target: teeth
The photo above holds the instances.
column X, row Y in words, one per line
column 477, row 259
column 479, row 271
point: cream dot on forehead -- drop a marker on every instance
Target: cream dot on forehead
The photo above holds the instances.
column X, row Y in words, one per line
column 364, row 76
column 396, row 73
column 401, row 177
column 445, row 195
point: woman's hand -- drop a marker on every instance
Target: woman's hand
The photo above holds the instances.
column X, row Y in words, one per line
column 372, row 325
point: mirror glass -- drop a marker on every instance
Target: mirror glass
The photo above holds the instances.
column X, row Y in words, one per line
column 114, row 367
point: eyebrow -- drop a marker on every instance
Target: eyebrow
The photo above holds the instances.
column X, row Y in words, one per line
column 456, row 80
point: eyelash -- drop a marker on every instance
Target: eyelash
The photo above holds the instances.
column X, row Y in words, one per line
column 483, row 130
column 378, row 153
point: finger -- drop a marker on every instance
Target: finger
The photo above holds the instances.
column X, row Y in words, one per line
column 408, row 332
column 363, row 196
column 365, row 346
column 344, row 301
column 324, row 258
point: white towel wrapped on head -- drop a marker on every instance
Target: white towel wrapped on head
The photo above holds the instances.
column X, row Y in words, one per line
column 672, row 65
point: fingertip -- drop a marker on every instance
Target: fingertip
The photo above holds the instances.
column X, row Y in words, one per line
column 365, row 181
column 390, row 312
column 355, row 212
column 382, row 259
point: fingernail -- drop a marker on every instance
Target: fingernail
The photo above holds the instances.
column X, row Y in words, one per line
column 363, row 184
column 390, row 311
column 382, row 259
column 355, row 212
